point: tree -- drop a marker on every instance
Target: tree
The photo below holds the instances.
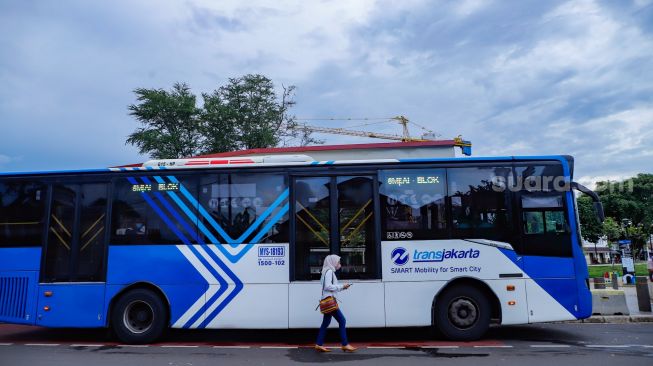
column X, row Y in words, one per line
column 250, row 112
column 246, row 113
column 628, row 206
column 170, row 123
column 630, row 201
column 611, row 229
column 217, row 125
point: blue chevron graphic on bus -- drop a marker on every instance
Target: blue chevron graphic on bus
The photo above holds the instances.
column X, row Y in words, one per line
column 204, row 256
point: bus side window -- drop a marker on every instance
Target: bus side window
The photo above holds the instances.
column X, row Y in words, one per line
column 413, row 204
column 356, row 227
column 479, row 202
column 242, row 205
column 22, row 209
column 544, row 224
column 555, row 222
column 533, row 223
column 154, row 210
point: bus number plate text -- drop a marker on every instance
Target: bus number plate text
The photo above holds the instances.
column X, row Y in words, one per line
column 269, row 255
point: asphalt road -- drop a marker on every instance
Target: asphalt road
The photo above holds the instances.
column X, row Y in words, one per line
column 543, row 344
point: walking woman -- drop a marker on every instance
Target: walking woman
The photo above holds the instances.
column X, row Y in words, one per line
column 329, row 304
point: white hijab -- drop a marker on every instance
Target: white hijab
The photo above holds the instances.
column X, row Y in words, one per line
column 330, row 263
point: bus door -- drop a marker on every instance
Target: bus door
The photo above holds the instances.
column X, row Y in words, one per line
column 71, row 292
column 546, row 253
column 336, row 215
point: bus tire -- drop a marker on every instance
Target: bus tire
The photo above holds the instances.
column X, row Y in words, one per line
column 462, row 313
column 139, row 316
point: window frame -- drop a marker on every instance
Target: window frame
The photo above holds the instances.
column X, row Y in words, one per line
column 220, row 173
column 333, row 174
column 150, row 175
column 78, row 181
column 448, row 222
column 507, row 200
column 45, row 187
column 538, row 241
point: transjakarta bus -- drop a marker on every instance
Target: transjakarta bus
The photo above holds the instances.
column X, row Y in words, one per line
column 456, row 244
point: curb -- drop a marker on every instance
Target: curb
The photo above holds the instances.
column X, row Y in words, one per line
column 615, row 319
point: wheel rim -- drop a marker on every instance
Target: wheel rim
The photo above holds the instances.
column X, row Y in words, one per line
column 138, row 317
column 463, row 312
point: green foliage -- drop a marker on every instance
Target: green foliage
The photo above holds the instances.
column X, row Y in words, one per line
column 630, row 203
column 246, row 113
column 631, row 199
column 218, row 126
column 628, row 207
column 611, row 229
column 170, row 122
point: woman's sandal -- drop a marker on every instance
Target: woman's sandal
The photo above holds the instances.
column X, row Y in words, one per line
column 348, row 348
column 321, row 349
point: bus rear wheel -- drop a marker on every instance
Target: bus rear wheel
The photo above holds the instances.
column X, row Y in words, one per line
column 462, row 313
column 139, row 316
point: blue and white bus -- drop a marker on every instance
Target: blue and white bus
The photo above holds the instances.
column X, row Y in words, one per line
column 457, row 244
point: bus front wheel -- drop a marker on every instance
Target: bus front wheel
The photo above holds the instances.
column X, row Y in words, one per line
column 139, row 316
column 462, row 313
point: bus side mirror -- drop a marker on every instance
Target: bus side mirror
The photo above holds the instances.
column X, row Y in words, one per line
column 598, row 207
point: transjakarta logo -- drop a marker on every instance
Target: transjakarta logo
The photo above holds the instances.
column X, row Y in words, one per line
column 400, row 256
column 441, row 255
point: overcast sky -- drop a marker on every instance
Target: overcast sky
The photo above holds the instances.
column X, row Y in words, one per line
column 514, row 77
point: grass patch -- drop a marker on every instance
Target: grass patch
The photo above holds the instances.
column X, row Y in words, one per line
column 599, row 270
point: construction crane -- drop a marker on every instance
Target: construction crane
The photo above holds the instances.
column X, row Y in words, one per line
column 401, row 119
column 466, row 146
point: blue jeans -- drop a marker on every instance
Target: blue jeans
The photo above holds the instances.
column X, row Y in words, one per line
column 342, row 322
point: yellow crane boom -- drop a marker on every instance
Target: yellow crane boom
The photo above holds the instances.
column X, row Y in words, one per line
column 466, row 146
column 342, row 131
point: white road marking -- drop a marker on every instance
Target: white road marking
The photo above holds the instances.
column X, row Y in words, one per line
column 134, row 345
column 87, row 345
column 550, row 346
column 369, row 347
column 6, row 344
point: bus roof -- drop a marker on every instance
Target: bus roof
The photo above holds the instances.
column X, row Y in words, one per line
column 195, row 163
